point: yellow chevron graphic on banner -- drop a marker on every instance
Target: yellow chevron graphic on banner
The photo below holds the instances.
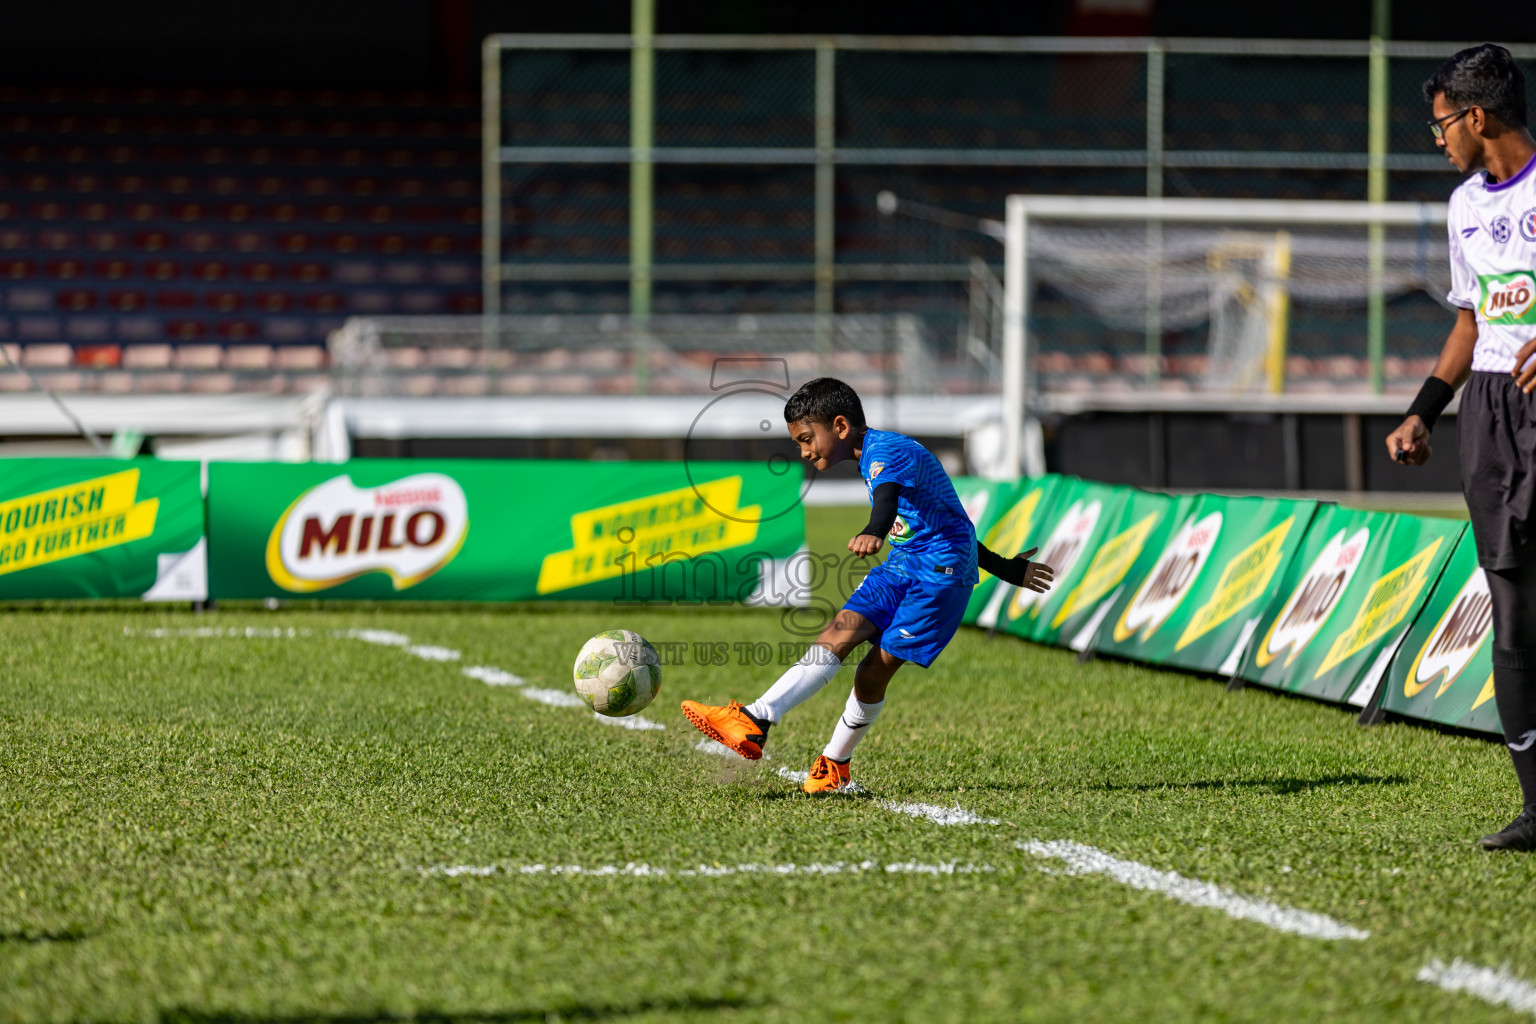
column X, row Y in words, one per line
column 1384, row 607
column 1244, row 580
column 75, row 519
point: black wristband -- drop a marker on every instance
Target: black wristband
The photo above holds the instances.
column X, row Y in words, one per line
column 1431, row 401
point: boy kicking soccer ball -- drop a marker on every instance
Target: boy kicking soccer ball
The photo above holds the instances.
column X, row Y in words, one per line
column 910, row 605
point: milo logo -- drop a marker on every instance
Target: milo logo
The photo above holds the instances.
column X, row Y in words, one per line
column 1171, row 578
column 1508, row 298
column 1458, row 635
column 1314, row 598
column 900, row 531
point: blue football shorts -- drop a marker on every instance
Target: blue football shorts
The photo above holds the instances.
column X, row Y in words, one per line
column 916, row 618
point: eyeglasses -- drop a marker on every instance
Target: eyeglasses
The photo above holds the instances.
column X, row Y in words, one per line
column 1438, row 125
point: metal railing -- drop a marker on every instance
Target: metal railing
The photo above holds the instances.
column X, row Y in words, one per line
column 827, row 110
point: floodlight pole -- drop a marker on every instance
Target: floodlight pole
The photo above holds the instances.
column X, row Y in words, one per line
column 490, row 191
column 642, row 116
column 1015, row 324
column 826, row 143
column 1376, row 191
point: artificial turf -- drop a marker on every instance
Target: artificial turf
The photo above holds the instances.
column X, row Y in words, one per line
column 240, row 828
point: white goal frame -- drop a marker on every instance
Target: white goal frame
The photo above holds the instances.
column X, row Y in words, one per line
column 1024, row 209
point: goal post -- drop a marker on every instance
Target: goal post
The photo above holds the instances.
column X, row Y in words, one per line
column 1233, row 268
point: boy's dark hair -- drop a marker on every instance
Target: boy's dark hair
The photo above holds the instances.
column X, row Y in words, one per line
column 1482, row 76
column 823, row 400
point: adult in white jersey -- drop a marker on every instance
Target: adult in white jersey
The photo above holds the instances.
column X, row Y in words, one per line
column 1478, row 99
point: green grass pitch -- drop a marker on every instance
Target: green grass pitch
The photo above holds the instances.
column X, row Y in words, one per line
column 227, row 829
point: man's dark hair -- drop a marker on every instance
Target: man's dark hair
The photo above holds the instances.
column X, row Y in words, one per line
column 1482, row 76
column 823, row 400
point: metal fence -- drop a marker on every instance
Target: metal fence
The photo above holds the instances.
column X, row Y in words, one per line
column 729, row 175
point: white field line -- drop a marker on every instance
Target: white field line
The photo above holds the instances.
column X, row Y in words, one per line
column 492, row 676
column 633, row 870
column 221, row 632
column 383, row 637
column 554, row 698
column 633, row 722
column 718, row 749
column 1494, row 986
column 1084, row 860
column 426, row 652
column 938, row 815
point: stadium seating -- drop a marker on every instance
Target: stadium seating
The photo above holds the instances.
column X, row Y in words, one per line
column 201, row 230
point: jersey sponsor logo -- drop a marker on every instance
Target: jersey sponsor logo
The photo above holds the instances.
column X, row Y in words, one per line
column 1456, row 638
column 1500, row 229
column 901, row 533
column 1061, row 550
column 1527, row 224
column 1508, row 298
column 1314, row 598
column 337, row 531
column 1469, row 232
column 875, row 468
column 1171, row 578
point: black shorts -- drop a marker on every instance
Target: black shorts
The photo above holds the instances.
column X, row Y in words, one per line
column 1497, row 424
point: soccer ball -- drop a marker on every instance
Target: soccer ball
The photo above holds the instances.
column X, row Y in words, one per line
column 618, row 673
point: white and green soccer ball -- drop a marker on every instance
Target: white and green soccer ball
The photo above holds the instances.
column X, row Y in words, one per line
column 618, row 673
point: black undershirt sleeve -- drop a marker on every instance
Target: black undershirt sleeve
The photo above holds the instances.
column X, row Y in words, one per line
column 1009, row 570
column 882, row 512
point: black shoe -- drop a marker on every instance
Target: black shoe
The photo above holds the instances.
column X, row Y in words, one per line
column 1519, row 834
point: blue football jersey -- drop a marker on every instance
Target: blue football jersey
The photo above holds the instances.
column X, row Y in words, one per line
column 932, row 538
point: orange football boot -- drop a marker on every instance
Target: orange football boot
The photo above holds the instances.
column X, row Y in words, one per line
column 730, row 725
column 827, row 776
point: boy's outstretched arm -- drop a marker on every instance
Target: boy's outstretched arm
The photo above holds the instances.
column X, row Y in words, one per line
column 882, row 514
column 1019, row 570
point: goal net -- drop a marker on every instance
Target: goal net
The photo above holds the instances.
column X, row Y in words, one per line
column 1235, row 296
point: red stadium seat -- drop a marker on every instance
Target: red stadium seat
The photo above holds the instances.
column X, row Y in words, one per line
column 240, row 330
column 12, row 239
column 295, row 242
column 200, row 241
column 309, row 272
column 438, row 245
column 224, row 301
column 140, row 210
column 65, row 270
column 57, row 239
column 269, row 301
column 162, row 270
column 151, row 241
column 248, row 241
column 237, row 213
column 378, row 213
column 17, row 270
column 127, row 301
column 390, row 244
column 104, row 241
column 210, row 271
column 344, row 243
column 185, row 330
column 325, row 302
column 175, row 299
column 99, row 356
column 189, row 213
column 48, row 210
column 284, row 213
column 114, row 270
column 75, row 300
column 332, row 213
column 259, row 271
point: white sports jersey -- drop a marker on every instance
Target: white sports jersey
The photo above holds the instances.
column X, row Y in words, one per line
column 1493, row 263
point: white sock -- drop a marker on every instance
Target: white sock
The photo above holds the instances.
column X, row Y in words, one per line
column 851, row 727
column 800, row 683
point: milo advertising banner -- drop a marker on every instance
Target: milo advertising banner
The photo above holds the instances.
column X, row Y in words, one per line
column 1015, row 530
column 1198, row 602
column 1443, row 672
column 1079, row 606
column 471, row 530
column 1350, row 594
column 1070, row 534
column 101, row 528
